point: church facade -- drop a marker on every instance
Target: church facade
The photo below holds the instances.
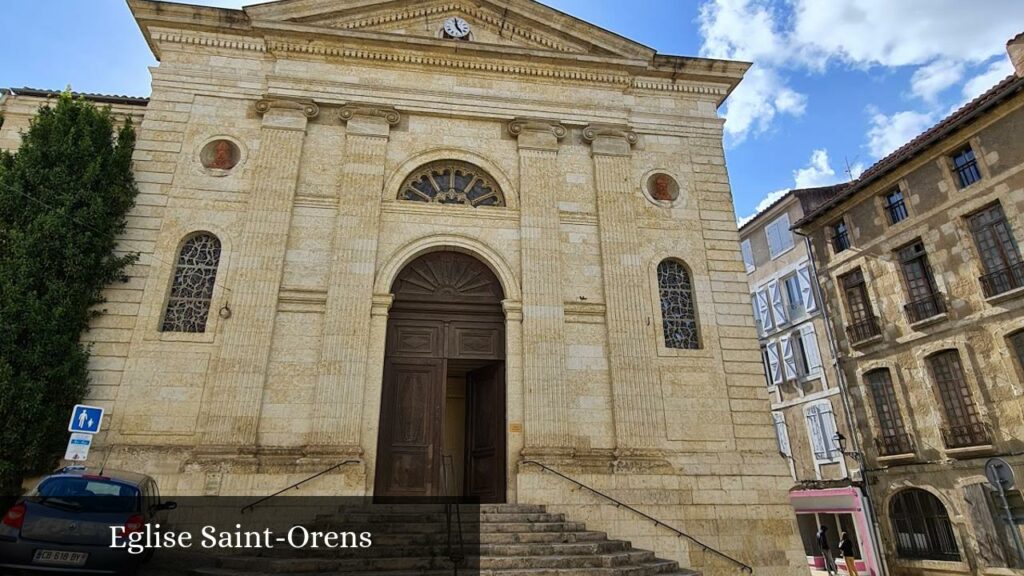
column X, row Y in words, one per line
column 442, row 242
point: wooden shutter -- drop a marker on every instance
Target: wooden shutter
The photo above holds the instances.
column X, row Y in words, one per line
column 764, row 309
column 748, row 255
column 773, row 239
column 788, row 359
column 817, row 435
column 803, row 275
column 774, row 366
column 778, row 305
column 810, row 340
column 781, row 433
column 828, row 429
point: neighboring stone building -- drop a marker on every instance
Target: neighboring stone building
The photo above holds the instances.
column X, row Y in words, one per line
column 19, row 105
column 919, row 259
column 434, row 237
column 803, row 385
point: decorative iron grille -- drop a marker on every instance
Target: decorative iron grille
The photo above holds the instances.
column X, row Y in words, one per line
column 678, row 315
column 192, row 287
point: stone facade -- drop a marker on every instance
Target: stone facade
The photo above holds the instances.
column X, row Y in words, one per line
column 928, row 333
column 328, row 108
column 804, row 386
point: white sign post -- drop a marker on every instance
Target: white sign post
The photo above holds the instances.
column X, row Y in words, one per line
column 78, row 447
column 85, row 421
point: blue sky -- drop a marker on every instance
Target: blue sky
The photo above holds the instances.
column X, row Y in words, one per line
column 837, row 84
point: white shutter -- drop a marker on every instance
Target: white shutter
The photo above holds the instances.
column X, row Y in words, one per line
column 788, row 359
column 828, row 424
column 811, row 348
column 773, row 239
column 778, row 304
column 748, row 255
column 784, row 233
column 757, row 314
column 817, row 434
column 781, row 433
column 806, row 288
column 774, row 366
column 764, row 310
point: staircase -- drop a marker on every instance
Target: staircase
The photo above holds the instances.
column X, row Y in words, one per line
column 512, row 540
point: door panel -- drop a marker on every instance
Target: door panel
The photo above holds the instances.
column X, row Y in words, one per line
column 415, row 338
column 409, row 446
column 467, row 340
column 485, row 433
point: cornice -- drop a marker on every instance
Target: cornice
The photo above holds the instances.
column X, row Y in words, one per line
column 624, row 79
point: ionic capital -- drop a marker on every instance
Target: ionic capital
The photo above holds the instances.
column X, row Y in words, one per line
column 352, row 110
column 594, row 132
column 308, row 108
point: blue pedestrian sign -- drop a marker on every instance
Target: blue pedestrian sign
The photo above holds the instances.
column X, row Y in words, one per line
column 85, row 419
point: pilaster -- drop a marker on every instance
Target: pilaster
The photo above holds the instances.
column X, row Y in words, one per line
column 639, row 417
column 543, row 325
column 231, row 411
column 338, row 398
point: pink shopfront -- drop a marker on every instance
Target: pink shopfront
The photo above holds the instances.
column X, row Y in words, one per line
column 842, row 510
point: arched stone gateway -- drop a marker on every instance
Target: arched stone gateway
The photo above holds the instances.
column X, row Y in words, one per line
column 442, row 416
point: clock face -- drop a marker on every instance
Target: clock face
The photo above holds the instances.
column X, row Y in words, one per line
column 456, row 27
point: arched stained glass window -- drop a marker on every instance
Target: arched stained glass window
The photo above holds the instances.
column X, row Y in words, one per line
column 921, row 526
column 451, row 182
column 192, row 287
column 678, row 314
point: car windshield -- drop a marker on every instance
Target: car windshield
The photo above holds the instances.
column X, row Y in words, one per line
column 87, row 494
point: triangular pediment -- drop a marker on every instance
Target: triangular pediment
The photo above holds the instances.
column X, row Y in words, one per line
column 515, row 23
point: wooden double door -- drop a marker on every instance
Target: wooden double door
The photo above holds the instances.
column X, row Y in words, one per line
column 432, row 342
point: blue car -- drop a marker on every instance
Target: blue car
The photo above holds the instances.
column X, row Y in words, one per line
column 64, row 525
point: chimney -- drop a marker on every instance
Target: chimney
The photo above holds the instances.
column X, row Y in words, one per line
column 1015, row 48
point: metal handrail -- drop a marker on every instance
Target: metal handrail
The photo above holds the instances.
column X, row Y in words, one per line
column 253, row 505
column 620, row 504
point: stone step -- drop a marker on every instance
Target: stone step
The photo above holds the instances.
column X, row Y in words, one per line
column 363, row 518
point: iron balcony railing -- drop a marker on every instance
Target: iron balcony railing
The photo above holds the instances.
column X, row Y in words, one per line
column 841, row 241
column 926, row 307
column 897, row 211
column 864, row 330
column 895, row 444
column 967, row 435
column 1000, row 281
column 968, row 173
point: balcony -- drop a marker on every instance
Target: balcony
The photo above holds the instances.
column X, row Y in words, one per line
column 967, row 437
column 840, row 242
column 864, row 330
column 924, row 308
column 899, row 444
column 1001, row 281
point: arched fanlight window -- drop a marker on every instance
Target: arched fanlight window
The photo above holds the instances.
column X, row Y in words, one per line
column 451, row 182
column 921, row 526
column 678, row 313
column 195, row 273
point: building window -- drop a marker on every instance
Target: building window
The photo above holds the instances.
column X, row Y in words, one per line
column 781, row 434
column 964, row 426
column 1017, row 343
column 821, row 423
column 192, row 287
column 774, row 363
column 895, row 207
column 452, row 182
column 965, row 167
column 863, row 323
column 893, row 438
column 998, row 250
column 767, row 364
column 924, row 298
column 794, row 296
column 778, row 304
column 840, row 237
column 780, row 238
column 748, row 256
column 922, row 527
column 800, row 355
column 678, row 315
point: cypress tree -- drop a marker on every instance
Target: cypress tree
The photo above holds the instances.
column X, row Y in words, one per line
column 64, row 195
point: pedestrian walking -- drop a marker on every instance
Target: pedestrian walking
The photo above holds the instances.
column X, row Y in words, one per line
column 846, row 550
column 826, row 552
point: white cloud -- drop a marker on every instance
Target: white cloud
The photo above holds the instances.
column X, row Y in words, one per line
column 887, row 133
column 930, row 80
column 992, row 75
column 940, row 39
column 817, row 172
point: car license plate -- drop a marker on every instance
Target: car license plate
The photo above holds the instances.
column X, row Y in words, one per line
column 60, row 557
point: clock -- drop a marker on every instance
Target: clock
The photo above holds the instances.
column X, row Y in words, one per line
column 456, row 27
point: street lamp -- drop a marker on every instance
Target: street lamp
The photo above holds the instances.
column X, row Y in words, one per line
column 840, row 441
